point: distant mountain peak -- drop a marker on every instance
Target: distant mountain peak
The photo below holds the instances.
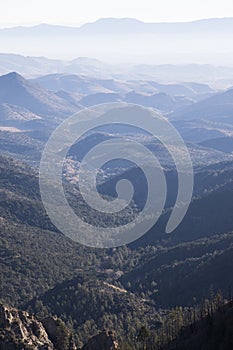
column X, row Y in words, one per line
column 13, row 79
column 16, row 90
column 115, row 19
column 112, row 24
column 13, row 76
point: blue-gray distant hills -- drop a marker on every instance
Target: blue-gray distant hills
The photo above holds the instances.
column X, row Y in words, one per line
column 118, row 40
column 109, row 26
column 108, row 73
column 31, row 108
column 215, row 108
column 16, row 90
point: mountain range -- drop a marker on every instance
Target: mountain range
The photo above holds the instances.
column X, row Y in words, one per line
column 125, row 26
column 37, row 66
column 218, row 108
column 31, row 97
column 31, row 109
column 151, row 290
column 163, row 291
column 191, row 42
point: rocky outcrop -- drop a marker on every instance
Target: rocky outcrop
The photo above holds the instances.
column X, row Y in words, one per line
column 58, row 333
column 106, row 340
column 21, row 331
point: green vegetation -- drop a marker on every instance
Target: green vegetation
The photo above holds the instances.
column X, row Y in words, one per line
column 128, row 289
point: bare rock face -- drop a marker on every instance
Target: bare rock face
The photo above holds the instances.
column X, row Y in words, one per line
column 58, row 333
column 19, row 330
column 106, row 340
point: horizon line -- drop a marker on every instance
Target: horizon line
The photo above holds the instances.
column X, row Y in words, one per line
column 80, row 25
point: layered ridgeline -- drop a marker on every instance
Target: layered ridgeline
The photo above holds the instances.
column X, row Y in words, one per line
column 172, row 42
column 31, row 109
column 130, row 289
column 33, row 67
column 17, row 91
column 29, row 113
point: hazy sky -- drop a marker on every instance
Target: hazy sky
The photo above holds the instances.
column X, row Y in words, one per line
column 76, row 12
